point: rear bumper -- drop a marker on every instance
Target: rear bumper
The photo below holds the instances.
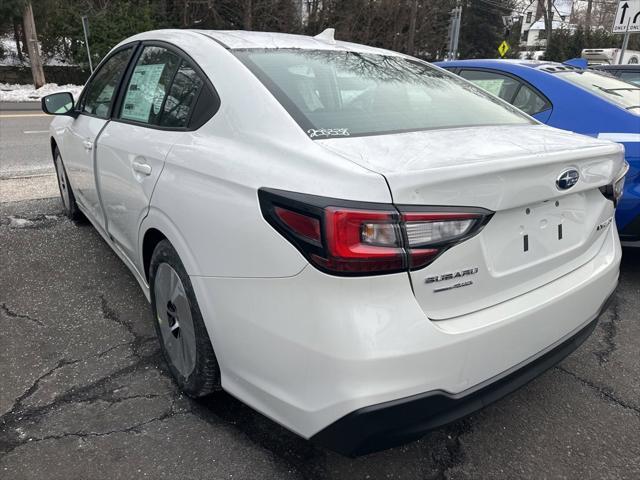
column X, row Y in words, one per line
column 399, row 421
column 309, row 350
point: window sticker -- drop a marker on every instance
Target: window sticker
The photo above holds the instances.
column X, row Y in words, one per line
column 328, row 132
column 144, row 93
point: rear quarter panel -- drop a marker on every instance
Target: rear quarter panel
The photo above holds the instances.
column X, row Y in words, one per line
column 207, row 193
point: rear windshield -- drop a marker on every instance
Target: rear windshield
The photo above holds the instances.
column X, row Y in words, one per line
column 617, row 91
column 337, row 94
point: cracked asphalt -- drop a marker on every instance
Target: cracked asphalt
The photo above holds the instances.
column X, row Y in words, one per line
column 84, row 393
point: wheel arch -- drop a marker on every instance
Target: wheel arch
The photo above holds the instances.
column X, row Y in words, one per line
column 157, row 227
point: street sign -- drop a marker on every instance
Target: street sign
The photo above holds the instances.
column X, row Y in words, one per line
column 627, row 17
column 504, row 48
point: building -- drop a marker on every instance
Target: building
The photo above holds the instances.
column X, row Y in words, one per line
column 532, row 34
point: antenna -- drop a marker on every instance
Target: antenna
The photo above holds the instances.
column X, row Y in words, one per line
column 327, row 36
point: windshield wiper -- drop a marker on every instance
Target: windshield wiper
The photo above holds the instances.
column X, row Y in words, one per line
column 614, row 90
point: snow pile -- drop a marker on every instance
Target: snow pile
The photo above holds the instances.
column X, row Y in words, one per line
column 26, row 93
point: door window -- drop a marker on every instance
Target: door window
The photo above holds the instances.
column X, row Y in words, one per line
column 101, row 90
column 500, row 85
column 148, row 85
column 182, row 97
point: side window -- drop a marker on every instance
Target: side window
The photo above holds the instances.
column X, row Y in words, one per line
column 499, row 85
column 147, row 89
column 101, row 90
column 182, row 97
column 529, row 101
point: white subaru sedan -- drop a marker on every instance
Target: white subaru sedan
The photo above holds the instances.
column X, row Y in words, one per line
column 354, row 242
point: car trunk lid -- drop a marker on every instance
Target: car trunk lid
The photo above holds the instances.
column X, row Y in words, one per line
column 538, row 232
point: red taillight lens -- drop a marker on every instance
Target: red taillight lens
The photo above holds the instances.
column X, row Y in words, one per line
column 303, row 225
column 367, row 239
column 362, row 241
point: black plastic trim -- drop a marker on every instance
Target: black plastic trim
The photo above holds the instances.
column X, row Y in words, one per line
column 397, row 422
column 631, row 232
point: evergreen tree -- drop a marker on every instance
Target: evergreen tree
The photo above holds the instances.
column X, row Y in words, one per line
column 482, row 29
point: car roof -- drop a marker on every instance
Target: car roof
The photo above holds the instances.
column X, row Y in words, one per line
column 547, row 66
column 496, row 61
column 241, row 39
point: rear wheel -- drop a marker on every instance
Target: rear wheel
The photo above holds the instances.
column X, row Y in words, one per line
column 69, row 204
column 184, row 339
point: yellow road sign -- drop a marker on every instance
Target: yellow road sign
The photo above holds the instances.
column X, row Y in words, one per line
column 503, row 48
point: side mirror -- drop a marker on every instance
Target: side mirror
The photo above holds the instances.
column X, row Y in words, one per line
column 58, row 104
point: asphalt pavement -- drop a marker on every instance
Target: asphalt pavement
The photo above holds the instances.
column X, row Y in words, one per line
column 84, row 392
column 24, row 148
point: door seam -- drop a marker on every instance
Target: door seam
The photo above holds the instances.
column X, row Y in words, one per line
column 95, row 177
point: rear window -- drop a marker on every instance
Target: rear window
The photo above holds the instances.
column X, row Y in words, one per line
column 336, row 94
column 617, row 91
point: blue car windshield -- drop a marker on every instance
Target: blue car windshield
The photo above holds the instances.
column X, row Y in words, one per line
column 621, row 93
column 342, row 93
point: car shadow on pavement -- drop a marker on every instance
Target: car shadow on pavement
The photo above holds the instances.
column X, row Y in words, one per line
column 429, row 457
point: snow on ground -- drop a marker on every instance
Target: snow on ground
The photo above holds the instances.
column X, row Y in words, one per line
column 8, row 45
column 26, row 93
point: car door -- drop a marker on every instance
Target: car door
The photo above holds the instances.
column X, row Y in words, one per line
column 94, row 109
column 511, row 89
column 152, row 114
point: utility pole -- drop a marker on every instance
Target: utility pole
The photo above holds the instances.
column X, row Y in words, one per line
column 625, row 44
column 454, row 31
column 85, row 28
column 32, row 46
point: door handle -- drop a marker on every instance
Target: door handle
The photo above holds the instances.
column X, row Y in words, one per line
column 88, row 144
column 143, row 168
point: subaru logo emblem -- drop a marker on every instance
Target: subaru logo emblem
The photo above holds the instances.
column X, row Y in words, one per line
column 567, row 179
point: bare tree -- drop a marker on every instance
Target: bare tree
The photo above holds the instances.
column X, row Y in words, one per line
column 16, row 38
column 412, row 27
column 247, row 15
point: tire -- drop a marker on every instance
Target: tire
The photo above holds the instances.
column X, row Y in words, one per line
column 183, row 337
column 67, row 197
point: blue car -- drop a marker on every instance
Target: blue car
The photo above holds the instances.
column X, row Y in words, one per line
column 571, row 98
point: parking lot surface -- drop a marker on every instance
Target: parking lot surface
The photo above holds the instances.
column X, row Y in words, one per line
column 84, row 392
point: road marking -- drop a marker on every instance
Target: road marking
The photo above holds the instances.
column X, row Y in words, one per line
column 25, row 115
column 22, row 177
column 35, row 131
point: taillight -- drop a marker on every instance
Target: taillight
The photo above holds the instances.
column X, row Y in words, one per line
column 614, row 190
column 352, row 238
column 429, row 234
